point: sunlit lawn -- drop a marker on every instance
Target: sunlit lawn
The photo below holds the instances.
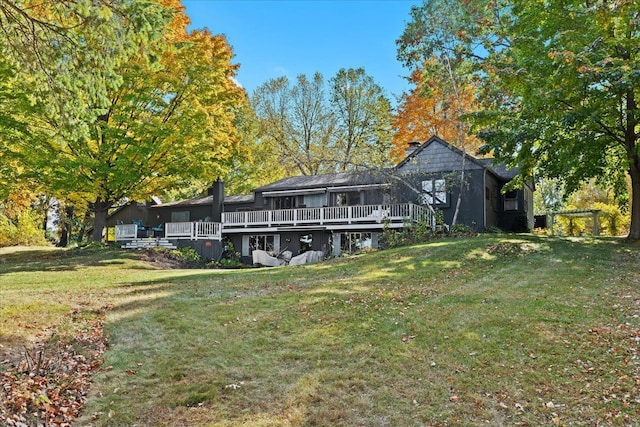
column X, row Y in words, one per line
column 496, row 330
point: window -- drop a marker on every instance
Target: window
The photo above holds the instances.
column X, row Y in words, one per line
column 434, row 192
column 354, row 242
column 180, row 216
column 264, row 242
column 284, row 202
column 350, row 198
column 511, row 200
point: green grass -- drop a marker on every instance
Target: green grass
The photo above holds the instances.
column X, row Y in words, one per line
column 495, row 330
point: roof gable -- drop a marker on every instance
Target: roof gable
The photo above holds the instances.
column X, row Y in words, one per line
column 437, row 155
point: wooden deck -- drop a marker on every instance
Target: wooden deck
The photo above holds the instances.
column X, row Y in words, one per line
column 396, row 214
column 337, row 217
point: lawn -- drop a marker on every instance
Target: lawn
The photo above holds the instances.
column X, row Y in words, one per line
column 491, row 330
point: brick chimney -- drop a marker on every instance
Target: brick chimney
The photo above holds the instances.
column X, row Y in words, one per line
column 411, row 147
column 217, row 191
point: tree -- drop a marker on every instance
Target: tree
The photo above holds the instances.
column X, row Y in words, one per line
column 170, row 117
column 297, row 121
column 432, row 41
column 562, row 83
column 68, row 54
column 419, row 117
column 319, row 132
column 257, row 162
column 363, row 120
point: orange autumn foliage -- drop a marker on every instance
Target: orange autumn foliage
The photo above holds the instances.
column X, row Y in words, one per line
column 420, row 117
column 176, row 30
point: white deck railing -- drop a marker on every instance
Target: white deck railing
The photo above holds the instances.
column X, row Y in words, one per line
column 363, row 214
column 393, row 213
column 126, row 232
column 175, row 230
column 193, row 230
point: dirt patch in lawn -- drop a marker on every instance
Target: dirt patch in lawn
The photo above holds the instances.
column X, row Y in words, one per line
column 163, row 260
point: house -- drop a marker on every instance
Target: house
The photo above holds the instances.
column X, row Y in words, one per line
column 339, row 212
column 434, row 169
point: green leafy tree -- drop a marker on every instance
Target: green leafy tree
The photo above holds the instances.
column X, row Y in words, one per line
column 168, row 118
column 560, row 85
column 363, row 120
column 315, row 131
column 257, row 162
column 562, row 81
column 67, row 55
column 297, row 121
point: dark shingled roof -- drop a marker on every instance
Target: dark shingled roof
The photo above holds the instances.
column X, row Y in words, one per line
column 242, row 198
column 500, row 169
column 197, row 201
column 325, row 180
column 206, row 200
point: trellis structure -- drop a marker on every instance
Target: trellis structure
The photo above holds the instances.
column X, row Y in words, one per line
column 593, row 213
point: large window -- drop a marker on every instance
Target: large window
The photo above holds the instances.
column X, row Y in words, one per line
column 180, row 216
column 511, row 200
column 434, row 192
column 354, row 242
column 264, row 242
column 288, row 202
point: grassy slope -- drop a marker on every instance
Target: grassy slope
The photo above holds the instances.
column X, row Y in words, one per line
column 529, row 331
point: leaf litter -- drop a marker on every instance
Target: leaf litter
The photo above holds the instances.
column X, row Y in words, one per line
column 49, row 383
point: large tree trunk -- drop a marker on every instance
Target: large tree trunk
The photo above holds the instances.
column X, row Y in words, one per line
column 100, row 211
column 634, row 172
column 66, row 225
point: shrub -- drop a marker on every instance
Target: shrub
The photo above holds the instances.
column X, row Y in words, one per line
column 189, row 254
column 461, row 229
column 25, row 230
column 612, row 221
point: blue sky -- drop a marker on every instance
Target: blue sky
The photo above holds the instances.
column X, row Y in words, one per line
column 275, row 38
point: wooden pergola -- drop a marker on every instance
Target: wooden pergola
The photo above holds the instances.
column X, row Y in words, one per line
column 576, row 212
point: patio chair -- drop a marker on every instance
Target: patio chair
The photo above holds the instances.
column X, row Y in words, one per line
column 158, row 230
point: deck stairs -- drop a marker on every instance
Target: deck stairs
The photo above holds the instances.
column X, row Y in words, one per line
column 149, row 242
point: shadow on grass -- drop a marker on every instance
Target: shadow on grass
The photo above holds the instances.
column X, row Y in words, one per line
column 48, row 260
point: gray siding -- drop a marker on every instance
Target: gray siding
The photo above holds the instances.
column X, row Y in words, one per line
column 435, row 158
column 492, row 198
column 128, row 213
